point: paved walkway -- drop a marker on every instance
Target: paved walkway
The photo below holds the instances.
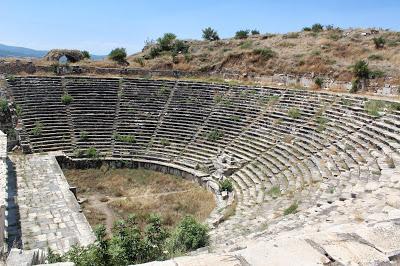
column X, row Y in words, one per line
column 49, row 213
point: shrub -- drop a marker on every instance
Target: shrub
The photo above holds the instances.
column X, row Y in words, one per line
column 291, row 35
column 118, row 55
column 379, row 42
column 321, row 121
column 165, row 142
column 214, row 135
column 306, row 29
column 355, row 85
column 210, row 34
column 361, row 70
column 125, row 138
column 18, row 110
column 3, row 105
column 246, row 44
column 242, row 34
column 226, row 185
column 317, row 27
column 38, row 129
column 66, row 99
column 274, row 192
column 264, row 53
column 291, row 209
column 92, row 153
column 154, row 52
column 166, row 42
column 376, row 74
column 319, row 82
column 294, row 113
column 374, row 107
column 191, row 234
column 395, row 106
column 375, row 57
column 180, row 46
column 83, row 135
column 255, row 32
column 329, row 27
column 139, row 60
column 86, row 54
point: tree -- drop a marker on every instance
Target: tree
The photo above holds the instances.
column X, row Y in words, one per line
column 361, row 74
column 166, row 42
column 255, row 32
column 191, row 234
column 118, row 55
column 85, row 54
column 242, row 34
column 317, row 27
column 210, row 34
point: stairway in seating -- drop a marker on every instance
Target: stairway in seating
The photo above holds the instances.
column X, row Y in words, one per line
column 116, row 118
column 69, row 116
column 162, row 115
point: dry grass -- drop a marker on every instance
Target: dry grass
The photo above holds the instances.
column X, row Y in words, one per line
column 139, row 191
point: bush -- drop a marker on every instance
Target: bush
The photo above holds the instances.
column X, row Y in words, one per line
column 154, row 52
column 18, row 109
column 210, row 34
column 165, row 142
column 242, row 34
column 125, row 138
column 86, row 54
column 132, row 244
column 92, row 153
column 38, row 129
column 180, row 46
column 166, row 42
column 375, row 57
column 66, row 99
column 226, row 185
column 118, row 55
column 83, row 135
column 291, row 209
column 214, row 135
column 376, row 74
column 291, row 35
column 361, row 70
column 306, row 29
column 317, row 27
column 3, row 105
column 264, row 53
column 319, row 82
column 379, row 42
column 255, row 32
column 294, row 113
column 274, row 192
column 191, row 234
column 374, row 107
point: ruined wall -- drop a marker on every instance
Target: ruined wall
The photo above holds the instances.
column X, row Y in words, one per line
column 3, row 193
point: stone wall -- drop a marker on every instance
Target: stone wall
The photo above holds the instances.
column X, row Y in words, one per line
column 303, row 80
column 3, row 184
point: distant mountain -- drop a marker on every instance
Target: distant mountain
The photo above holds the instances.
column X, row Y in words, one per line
column 14, row 51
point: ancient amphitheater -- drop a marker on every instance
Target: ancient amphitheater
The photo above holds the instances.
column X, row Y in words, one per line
column 316, row 175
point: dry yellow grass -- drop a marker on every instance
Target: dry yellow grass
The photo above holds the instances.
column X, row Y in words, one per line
column 139, row 191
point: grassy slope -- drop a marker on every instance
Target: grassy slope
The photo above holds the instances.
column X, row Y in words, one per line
column 329, row 53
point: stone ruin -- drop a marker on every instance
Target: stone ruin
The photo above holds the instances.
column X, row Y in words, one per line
column 319, row 188
column 56, row 54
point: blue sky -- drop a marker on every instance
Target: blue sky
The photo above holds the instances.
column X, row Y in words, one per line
column 100, row 25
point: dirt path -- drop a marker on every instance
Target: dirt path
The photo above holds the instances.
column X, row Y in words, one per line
column 94, row 202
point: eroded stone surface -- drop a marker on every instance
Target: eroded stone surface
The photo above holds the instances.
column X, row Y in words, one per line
column 49, row 213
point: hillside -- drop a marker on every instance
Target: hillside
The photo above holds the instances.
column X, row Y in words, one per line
column 14, row 51
column 22, row 52
column 328, row 52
